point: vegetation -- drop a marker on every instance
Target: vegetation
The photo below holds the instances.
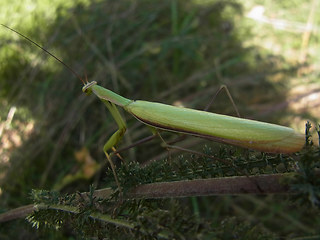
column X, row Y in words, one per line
column 171, row 51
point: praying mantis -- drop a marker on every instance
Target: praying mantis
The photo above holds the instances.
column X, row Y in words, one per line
column 251, row 134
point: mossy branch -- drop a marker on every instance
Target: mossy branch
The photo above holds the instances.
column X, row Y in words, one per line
column 263, row 184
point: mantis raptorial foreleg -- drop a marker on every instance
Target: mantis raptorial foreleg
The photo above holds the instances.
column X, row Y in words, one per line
column 116, row 137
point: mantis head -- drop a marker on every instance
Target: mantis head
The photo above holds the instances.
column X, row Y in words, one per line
column 87, row 87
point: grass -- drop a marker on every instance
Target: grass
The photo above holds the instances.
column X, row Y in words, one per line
column 174, row 52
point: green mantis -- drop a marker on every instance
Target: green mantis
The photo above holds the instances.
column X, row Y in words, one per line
column 246, row 133
column 241, row 132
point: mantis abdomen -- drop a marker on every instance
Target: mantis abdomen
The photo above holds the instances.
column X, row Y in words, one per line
column 247, row 133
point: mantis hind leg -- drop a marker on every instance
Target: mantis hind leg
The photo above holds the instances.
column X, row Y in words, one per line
column 226, row 162
column 222, row 87
column 225, row 88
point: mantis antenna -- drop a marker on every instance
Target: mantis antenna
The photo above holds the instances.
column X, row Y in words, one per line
column 69, row 68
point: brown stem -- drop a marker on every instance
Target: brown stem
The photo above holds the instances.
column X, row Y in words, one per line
column 199, row 187
column 19, row 212
column 214, row 186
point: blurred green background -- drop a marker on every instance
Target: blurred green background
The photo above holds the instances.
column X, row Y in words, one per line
column 171, row 51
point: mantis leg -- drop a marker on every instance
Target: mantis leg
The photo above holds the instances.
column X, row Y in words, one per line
column 141, row 141
column 155, row 132
column 181, row 138
column 226, row 162
column 225, row 88
column 115, row 138
column 222, row 87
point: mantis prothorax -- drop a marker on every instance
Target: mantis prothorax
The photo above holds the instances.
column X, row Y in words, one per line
column 241, row 132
